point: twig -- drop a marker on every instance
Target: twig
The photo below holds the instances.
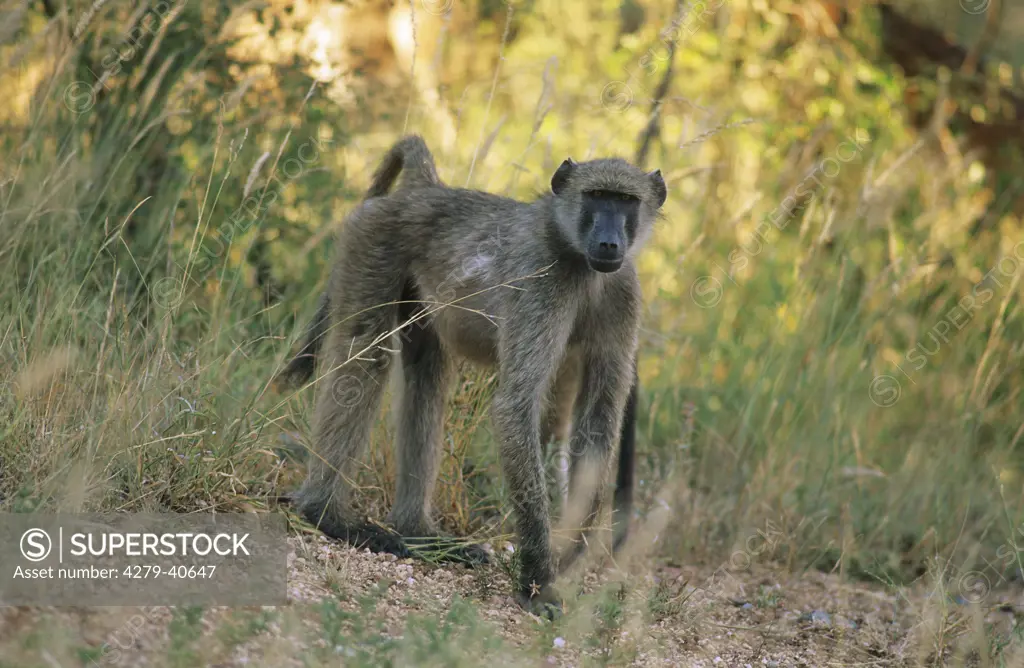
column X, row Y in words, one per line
column 659, row 93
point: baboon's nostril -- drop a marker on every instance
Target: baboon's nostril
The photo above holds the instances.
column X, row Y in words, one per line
column 605, row 245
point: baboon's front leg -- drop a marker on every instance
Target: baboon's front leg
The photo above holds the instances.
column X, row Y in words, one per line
column 557, row 422
column 607, row 379
column 527, row 360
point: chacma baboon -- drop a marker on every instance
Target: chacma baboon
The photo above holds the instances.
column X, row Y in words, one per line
column 411, row 157
column 545, row 290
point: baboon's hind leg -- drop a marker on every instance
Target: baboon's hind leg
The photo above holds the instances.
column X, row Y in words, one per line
column 354, row 369
column 346, row 408
column 426, row 371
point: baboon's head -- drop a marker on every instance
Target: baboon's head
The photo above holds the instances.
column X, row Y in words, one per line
column 605, row 208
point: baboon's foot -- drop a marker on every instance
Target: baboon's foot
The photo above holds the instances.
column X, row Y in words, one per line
column 448, row 549
column 362, row 535
column 542, row 601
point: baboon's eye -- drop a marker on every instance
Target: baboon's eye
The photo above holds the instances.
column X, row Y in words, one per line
column 624, row 197
column 597, row 193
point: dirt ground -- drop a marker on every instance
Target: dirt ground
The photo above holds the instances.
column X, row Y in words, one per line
column 651, row 614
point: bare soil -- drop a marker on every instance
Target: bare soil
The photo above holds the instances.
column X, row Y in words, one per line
column 650, row 614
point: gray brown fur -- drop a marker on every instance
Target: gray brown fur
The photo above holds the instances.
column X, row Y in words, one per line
column 523, row 298
column 410, row 157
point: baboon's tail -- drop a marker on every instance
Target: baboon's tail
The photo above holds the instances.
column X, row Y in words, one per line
column 409, row 157
column 302, row 366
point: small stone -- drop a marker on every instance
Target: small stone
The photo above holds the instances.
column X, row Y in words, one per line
column 819, row 617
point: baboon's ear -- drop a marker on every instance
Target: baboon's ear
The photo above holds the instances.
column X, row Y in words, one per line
column 561, row 177
column 658, row 187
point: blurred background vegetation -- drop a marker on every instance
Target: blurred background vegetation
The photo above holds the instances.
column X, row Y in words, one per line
column 173, row 172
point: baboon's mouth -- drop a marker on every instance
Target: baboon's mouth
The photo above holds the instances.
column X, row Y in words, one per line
column 604, row 266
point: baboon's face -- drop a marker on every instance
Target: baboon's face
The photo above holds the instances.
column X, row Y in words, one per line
column 605, row 208
column 607, row 227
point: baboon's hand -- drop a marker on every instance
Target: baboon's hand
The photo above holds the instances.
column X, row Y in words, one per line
column 544, row 603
